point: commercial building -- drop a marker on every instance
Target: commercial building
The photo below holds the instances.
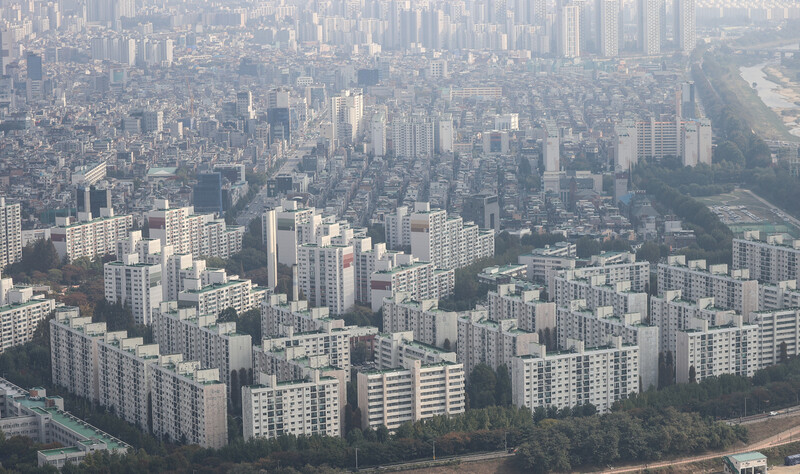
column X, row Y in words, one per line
column 494, row 343
column 89, row 238
column 189, row 403
column 429, row 324
column 551, row 147
column 201, row 337
column 709, row 351
column 736, row 291
column 10, row 233
column 35, row 415
column 305, row 407
column 483, row 210
column 599, row 376
column 416, row 391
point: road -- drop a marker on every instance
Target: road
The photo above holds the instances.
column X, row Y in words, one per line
column 401, row 467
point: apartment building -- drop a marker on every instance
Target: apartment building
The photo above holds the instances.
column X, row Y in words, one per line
column 446, row 242
column 734, row 290
column 615, row 266
column 596, row 292
column 304, row 407
column 773, row 259
column 494, row 343
column 198, row 234
column 419, row 279
column 189, row 403
column 73, row 352
column 10, row 233
column 559, row 256
column 277, row 313
column 594, row 326
column 292, row 227
column 525, row 306
column 326, row 274
column 778, row 335
column 783, row 294
column 214, row 344
column 20, row 313
column 672, row 314
column 395, row 349
column 709, row 351
column 216, row 291
column 429, row 324
column 134, row 284
column 124, row 376
column 413, row 392
column 89, row 238
column 578, row 376
column 329, row 341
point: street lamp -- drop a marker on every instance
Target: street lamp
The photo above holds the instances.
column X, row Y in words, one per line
column 356, row 459
column 434, row 449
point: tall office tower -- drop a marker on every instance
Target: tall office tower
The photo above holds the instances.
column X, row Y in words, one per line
column 609, row 27
column 569, row 31
column 347, row 112
column 650, row 22
column 377, row 131
column 152, row 121
column 625, row 146
column 10, row 233
column 244, row 104
column 551, row 147
column 443, row 134
column 685, row 34
column 483, row 210
column 91, row 199
column 207, row 193
column 34, row 64
column 280, row 124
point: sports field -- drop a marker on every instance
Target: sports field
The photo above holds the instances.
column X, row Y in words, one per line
column 741, row 210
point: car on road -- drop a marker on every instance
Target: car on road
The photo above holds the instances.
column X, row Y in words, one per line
column 773, row 413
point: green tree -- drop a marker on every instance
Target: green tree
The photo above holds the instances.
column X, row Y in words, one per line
column 586, row 247
column 503, row 386
column 482, row 387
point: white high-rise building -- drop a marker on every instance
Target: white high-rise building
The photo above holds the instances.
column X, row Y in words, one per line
column 73, row 352
column 419, row 279
column 494, row 343
column 551, row 147
column 651, row 25
column 417, row 391
column 599, row 376
column 21, row 313
column 778, row 335
column 198, row 234
column 595, row 292
column 774, row 259
column 326, row 274
column 569, row 31
column 134, row 284
column 377, row 131
column 10, row 233
column 710, row 351
column 444, row 133
column 332, row 342
column 216, row 345
column 395, row 349
column 305, row 407
column 429, row 324
column 525, row 306
column 190, row 403
column 214, row 291
column 90, row 238
column 413, row 137
column 685, row 25
column 625, row 155
column 277, row 313
column 673, row 314
column 609, row 27
column 347, row 112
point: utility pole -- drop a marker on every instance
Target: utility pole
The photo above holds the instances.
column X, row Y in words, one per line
column 356, row 459
column 505, row 441
column 434, row 449
column 745, row 407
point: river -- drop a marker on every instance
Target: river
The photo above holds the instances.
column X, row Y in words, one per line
column 767, row 90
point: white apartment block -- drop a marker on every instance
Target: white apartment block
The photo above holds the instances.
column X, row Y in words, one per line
column 135, row 285
column 715, row 350
column 771, row 260
column 189, row 403
column 20, row 313
column 579, row 376
column 216, row 345
column 783, row 294
column 596, row 293
column 625, row 155
column 690, row 139
column 429, row 324
column 609, row 27
column 419, row 279
column 73, row 352
column 304, row 407
column 326, row 274
column 332, row 342
column 685, row 25
column 416, row 391
column 277, row 314
column 396, row 349
column 559, row 256
column 412, row 137
column 595, row 326
column 673, row 314
column 91, row 238
column 198, row 234
column 10, row 233
column 347, row 114
column 446, row 242
column 525, row 306
column 616, row 266
column 295, row 226
column 216, row 291
column 494, row 343
column 779, row 334
column 736, row 291
column 124, row 376
column 650, row 24
column 551, row 147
